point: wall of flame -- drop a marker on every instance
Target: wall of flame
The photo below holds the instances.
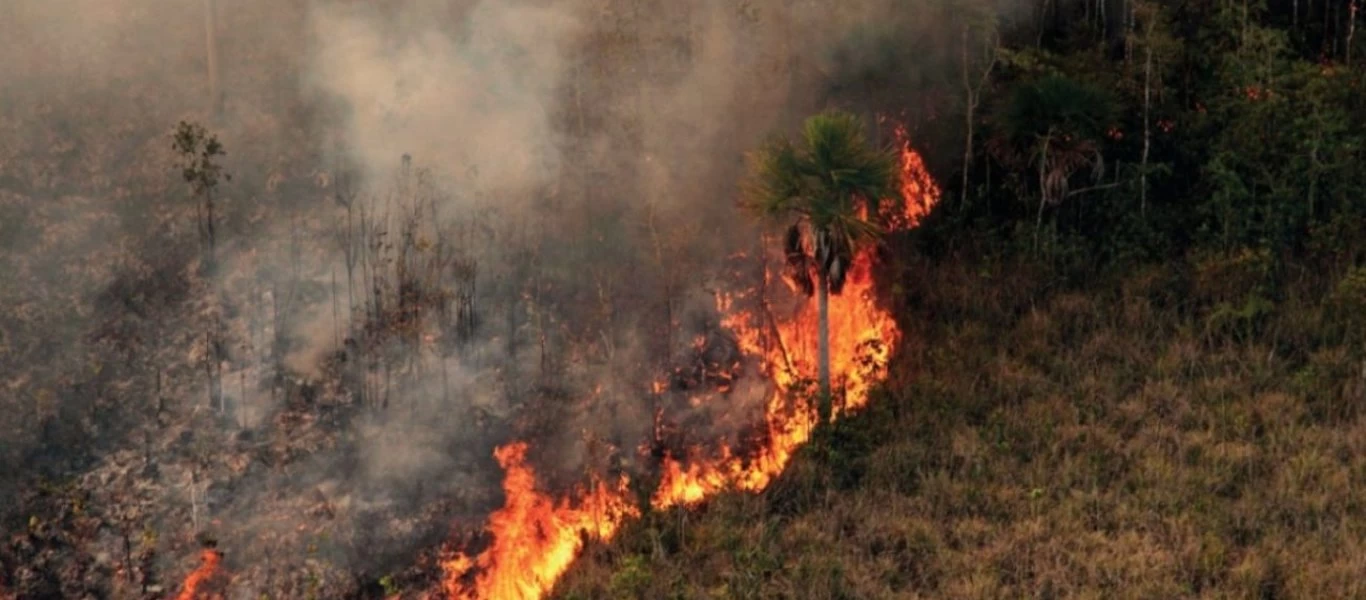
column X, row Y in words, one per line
column 535, row 538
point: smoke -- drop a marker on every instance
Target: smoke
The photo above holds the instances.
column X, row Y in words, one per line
column 587, row 167
column 55, row 41
column 475, row 97
column 558, row 230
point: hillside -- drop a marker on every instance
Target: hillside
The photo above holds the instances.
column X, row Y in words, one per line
column 1107, row 441
column 595, row 299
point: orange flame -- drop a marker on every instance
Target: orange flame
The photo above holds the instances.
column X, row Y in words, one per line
column 208, row 566
column 862, row 336
column 919, row 192
column 535, row 539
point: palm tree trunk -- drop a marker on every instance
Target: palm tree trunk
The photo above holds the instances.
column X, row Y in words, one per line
column 823, row 349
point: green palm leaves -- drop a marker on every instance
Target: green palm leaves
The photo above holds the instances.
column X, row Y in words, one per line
column 833, row 184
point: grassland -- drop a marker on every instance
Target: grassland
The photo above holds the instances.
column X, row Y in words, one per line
column 1186, row 430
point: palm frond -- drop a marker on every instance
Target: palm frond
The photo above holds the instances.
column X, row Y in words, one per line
column 848, row 167
column 834, row 180
column 1055, row 103
column 777, row 180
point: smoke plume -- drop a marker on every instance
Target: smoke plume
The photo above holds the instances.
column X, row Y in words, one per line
column 451, row 223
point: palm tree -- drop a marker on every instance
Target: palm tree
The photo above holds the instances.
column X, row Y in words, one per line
column 832, row 184
column 1054, row 127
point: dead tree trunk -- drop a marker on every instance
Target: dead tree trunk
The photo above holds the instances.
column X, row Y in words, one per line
column 972, row 98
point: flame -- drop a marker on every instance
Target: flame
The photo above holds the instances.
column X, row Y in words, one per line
column 862, row 335
column 861, row 338
column 208, row 566
column 536, row 538
column 919, row 192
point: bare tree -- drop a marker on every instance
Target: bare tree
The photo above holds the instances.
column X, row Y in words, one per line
column 345, row 195
column 972, row 94
column 1154, row 46
column 199, row 154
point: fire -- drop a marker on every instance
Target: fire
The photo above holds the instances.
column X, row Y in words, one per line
column 534, row 538
column 862, row 335
column 919, row 192
column 208, row 567
column 861, row 338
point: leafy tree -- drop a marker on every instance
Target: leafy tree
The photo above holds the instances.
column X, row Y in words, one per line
column 832, row 183
column 1283, row 146
column 1157, row 44
column 198, row 153
column 980, row 52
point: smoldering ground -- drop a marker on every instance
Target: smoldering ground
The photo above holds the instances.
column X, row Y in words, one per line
column 548, row 250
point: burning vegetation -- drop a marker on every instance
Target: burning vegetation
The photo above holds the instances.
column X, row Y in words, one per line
column 534, row 537
column 450, row 299
column 325, row 335
column 199, row 584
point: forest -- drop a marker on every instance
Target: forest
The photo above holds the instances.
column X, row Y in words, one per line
column 522, row 299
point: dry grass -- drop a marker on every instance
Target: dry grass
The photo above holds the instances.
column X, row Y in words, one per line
column 1098, row 444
